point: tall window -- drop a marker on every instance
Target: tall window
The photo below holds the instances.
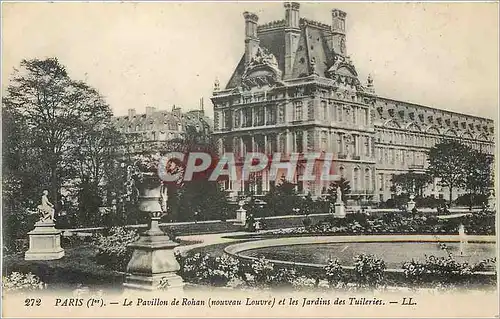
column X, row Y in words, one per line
column 299, row 142
column 367, row 146
column 324, row 141
column 355, row 179
column 247, row 117
column 227, row 119
column 298, row 111
column 259, row 116
column 237, row 118
column 323, row 111
column 340, row 147
column 271, row 115
column 342, row 171
column 368, row 179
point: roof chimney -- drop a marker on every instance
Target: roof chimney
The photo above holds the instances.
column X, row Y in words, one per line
column 131, row 113
column 251, row 39
column 150, row 110
column 292, row 35
column 338, row 30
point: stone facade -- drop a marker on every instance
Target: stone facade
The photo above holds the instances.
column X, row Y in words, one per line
column 296, row 90
column 149, row 131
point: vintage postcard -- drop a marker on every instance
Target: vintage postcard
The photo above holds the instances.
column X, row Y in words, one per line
column 250, row 159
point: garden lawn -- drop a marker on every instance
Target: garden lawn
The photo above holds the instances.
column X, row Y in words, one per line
column 77, row 267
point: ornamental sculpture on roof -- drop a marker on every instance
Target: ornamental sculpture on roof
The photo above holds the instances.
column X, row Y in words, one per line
column 262, row 69
column 263, row 56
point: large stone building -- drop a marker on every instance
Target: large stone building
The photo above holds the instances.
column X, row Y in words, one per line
column 148, row 132
column 295, row 89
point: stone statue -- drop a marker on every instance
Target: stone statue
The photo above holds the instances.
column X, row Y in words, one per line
column 339, row 195
column 46, row 208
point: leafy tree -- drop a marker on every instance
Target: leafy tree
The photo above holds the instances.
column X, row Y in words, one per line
column 202, row 200
column 57, row 112
column 307, row 204
column 93, row 162
column 345, row 188
column 283, row 198
column 448, row 161
column 479, row 179
column 412, row 182
column 199, row 197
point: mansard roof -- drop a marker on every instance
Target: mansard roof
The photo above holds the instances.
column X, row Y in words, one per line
column 314, row 50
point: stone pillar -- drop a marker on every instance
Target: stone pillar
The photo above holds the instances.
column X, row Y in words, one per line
column 411, row 204
column 339, row 211
column 241, row 215
column 45, row 242
column 491, row 201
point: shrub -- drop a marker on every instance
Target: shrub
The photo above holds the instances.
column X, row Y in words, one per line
column 206, row 269
column 442, row 270
column 22, row 282
column 369, row 270
column 262, row 272
column 334, row 273
column 112, row 250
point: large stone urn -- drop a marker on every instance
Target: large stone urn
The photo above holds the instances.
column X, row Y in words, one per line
column 153, row 264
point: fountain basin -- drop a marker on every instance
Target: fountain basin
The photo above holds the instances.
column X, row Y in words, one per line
column 393, row 249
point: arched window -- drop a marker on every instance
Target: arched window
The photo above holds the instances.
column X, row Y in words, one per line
column 342, row 171
column 368, row 179
column 355, row 179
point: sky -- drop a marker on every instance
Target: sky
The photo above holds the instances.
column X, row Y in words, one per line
column 443, row 55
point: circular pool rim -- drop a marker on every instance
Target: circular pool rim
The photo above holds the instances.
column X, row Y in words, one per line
column 235, row 250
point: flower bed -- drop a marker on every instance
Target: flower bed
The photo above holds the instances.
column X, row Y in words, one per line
column 480, row 223
column 369, row 272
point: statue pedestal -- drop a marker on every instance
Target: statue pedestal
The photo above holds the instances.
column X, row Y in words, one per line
column 491, row 202
column 410, row 205
column 339, row 211
column 241, row 216
column 45, row 242
column 153, row 265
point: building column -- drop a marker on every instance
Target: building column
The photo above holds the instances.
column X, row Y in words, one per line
column 287, row 142
column 265, row 144
column 341, row 144
column 252, row 113
column 242, row 146
column 369, row 140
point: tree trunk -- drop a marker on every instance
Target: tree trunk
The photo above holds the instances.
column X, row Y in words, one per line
column 470, row 200
column 54, row 188
column 451, row 193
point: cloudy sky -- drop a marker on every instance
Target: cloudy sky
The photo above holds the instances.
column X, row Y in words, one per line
column 139, row 54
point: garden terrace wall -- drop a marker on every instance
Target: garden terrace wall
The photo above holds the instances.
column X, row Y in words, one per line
column 209, row 227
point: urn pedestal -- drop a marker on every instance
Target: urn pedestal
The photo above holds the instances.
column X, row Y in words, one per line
column 491, row 202
column 44, row 242
column 339, row 211
column 241, row 216
column 153, row 265
column 411, row 204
